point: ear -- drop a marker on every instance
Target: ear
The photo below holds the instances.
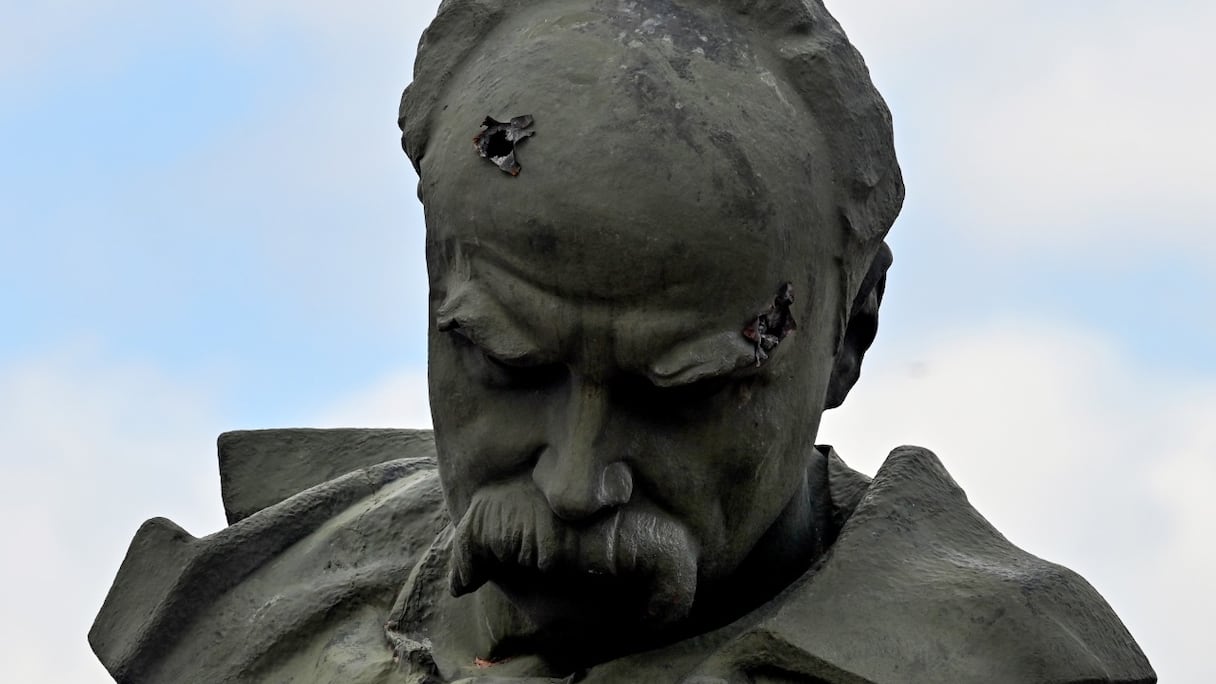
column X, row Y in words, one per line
column 860, row 330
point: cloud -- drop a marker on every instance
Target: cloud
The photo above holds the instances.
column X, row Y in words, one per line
column 1074, row 453
column 1053, row 126
column 90, row 448
column 397, row 400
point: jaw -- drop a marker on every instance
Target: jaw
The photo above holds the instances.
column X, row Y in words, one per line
column 574, row 620
column 568, row 609
column 783, row 553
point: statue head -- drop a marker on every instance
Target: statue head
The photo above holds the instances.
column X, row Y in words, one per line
column 632, row 340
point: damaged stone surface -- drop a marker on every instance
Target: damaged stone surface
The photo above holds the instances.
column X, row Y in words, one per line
column 772, row 325
column 496, row 142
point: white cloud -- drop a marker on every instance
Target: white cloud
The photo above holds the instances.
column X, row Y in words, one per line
column 1074, row 453
column 398, row 400
column 90, row 449
column 1039, row 124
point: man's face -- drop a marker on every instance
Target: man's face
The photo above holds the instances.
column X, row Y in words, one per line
column 593, row 364
column 608, row 444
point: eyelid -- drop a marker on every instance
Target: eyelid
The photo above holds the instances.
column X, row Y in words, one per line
column 518, row 362
column 709, row 379
column 523, row 359
column 723, row 355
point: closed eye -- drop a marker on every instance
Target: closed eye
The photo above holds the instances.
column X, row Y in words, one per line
column 646, row 398
column 493, row 371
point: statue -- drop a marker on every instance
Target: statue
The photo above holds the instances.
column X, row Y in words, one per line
column 655, row 241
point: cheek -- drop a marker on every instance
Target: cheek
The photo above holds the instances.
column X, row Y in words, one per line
column 482, row 435
column 699, row 469
column 730, row 474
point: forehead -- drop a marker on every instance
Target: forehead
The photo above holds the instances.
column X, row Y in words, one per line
column 617, row 242
column 670, row 165
column 662, row 136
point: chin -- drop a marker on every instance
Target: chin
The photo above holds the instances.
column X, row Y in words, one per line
column 577, row 601
column 585, row 617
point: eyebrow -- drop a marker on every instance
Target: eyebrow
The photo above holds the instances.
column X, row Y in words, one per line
column 498, row 336
column 482, row 321
column 715, row 355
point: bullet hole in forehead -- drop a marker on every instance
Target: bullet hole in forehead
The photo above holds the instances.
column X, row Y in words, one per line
column 497, row 141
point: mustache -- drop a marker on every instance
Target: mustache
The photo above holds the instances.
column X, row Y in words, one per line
column 507, row 528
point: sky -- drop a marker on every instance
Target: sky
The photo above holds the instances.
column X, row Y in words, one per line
column 208, row 225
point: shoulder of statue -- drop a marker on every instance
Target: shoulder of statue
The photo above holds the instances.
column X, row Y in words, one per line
column 920, row 587
column 279, row 487
column 845, row 488
column 260, row 468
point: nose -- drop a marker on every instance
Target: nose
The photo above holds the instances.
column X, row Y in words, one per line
column 576, row 471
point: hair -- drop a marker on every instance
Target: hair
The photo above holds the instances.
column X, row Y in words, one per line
column 818, row 61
